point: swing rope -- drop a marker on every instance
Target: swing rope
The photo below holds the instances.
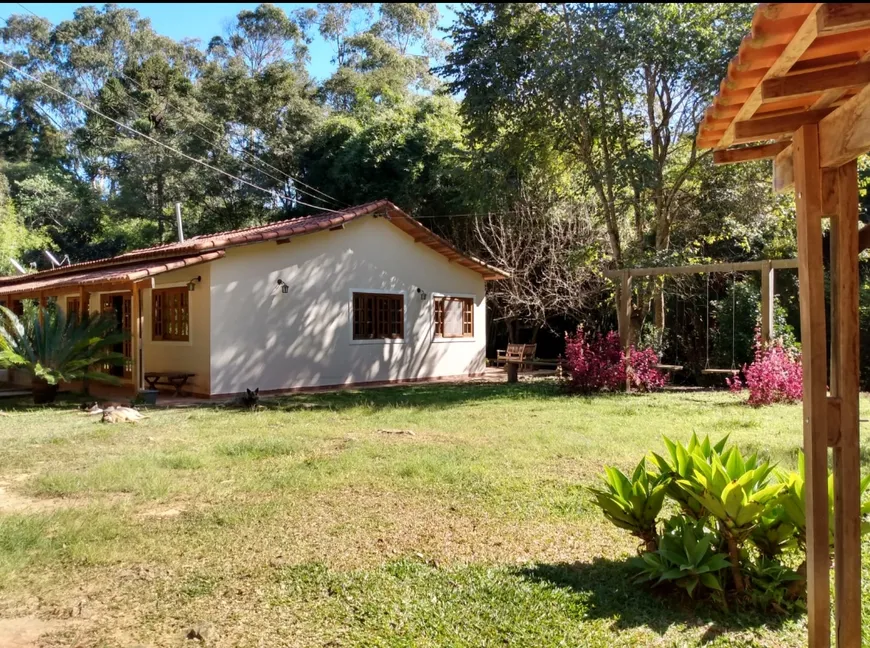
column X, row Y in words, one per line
column 707, row 362
column 733, row 326
column 733, row 317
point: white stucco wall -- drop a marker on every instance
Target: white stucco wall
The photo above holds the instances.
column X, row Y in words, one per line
column 261, row 337
column 192, row 356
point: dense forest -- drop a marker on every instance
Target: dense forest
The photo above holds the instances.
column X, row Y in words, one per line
column 553, row 140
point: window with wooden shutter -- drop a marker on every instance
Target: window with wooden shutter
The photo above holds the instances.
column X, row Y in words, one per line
column 73, row 307
column 378, row 316
column 170, row 314
column 454, row 317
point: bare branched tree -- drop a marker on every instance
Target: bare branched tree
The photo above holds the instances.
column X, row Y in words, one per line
column 552, row 256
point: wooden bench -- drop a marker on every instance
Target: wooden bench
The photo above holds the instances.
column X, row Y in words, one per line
column 515, row 352
column 512, row 366
column 176, row 379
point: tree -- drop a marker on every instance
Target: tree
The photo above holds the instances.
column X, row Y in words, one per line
column 613, row 89
column 17, row 240
column 550, row 253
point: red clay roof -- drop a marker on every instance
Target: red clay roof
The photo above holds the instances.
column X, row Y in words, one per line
column 108, row 270
column 119, row 274
column 787, row 40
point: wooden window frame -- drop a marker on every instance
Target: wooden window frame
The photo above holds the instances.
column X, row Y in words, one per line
column 467, row 316
column 163, row 317
column 377, row 316
column 74, row 306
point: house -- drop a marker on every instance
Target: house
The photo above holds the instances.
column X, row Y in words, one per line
column 363, row 295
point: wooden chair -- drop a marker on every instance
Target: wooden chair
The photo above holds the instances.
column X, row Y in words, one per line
column 516, row 352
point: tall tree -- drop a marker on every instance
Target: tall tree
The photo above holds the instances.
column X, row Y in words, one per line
column 613, row 88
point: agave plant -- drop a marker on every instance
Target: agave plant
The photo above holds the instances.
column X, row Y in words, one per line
column 686, row 556
column 736, row 492
column 633, row 504
column 681, row 468
column 793, row 502
column 774, row 533
column 55, row 349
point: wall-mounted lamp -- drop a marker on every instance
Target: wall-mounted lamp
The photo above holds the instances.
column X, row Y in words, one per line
column 284, row 287
column 423, row 294
column 191, row 285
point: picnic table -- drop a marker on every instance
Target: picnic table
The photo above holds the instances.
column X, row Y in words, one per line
column 176, row 379
column 512, row 366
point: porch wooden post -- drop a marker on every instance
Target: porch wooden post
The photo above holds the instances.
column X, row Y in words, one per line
column 41, row 308
column 624, row 307
column 844, row 394
column 84, row 299
column 815, row 420
column 624, row 320
column 767, row 300
column 135, row 345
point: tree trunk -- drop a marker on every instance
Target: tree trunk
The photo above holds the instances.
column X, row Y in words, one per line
column 734, row 556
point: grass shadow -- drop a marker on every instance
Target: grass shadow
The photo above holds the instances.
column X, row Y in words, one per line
column 610, row 593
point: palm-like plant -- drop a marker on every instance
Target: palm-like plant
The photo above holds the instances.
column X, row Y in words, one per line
column 735, row 491
column 680, row 468
column 633, row 504
column 55, row 349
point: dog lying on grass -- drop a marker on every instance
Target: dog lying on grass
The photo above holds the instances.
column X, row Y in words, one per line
column 112, row 412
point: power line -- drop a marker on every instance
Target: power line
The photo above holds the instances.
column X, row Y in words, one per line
column 471, row 215
column 159, row 143
column 219, row 135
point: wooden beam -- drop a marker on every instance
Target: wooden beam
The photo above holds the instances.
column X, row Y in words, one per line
column 770, row 127
column 829, row 192
column 845, row 133
column 844, row 387
column 796, row 47
column 835, row 17
column 741, row 266
column 839, row 78
column 136, row 337
column 815, row 407
column 783, row 170
column 767, row 301
column 749, row 153
column 624, row 306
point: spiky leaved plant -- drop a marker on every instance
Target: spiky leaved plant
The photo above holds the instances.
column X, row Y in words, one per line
column 633, row 504
column 735, row 491
column 56, row 349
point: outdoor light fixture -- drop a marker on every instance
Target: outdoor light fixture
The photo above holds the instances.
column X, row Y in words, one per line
column 423, row 294
column 191, row 285
column 284, row 287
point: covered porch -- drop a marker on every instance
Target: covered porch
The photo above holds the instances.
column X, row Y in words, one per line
column 798, row 92
column 161, row 305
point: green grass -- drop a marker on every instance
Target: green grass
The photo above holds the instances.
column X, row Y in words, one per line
column 306, row 525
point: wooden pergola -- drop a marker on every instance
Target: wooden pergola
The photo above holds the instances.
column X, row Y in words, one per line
column 801, row 85
column 766, row 267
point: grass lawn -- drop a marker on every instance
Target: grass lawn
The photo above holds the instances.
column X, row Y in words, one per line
column 313, row 523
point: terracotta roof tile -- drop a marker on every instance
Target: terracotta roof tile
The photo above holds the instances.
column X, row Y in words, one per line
column 93, row 276
column 195, row 247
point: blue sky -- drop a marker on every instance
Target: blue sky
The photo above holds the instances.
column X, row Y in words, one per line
column 202, row 21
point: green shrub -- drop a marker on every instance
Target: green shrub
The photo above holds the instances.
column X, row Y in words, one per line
column 633, row 504
column 686, row 555
column 741, row 526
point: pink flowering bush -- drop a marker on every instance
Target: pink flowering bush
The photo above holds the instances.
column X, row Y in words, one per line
column 642, row 369
column 596, row 363
column 775, row 375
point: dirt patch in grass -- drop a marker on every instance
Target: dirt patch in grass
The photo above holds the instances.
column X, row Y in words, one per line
column 13, row 502
column 25, row 632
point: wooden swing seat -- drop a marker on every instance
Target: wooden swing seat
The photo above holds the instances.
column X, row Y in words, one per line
column 730, row 372
column 667, row 367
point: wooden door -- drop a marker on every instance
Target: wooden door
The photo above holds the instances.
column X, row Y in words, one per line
column 119, row 305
